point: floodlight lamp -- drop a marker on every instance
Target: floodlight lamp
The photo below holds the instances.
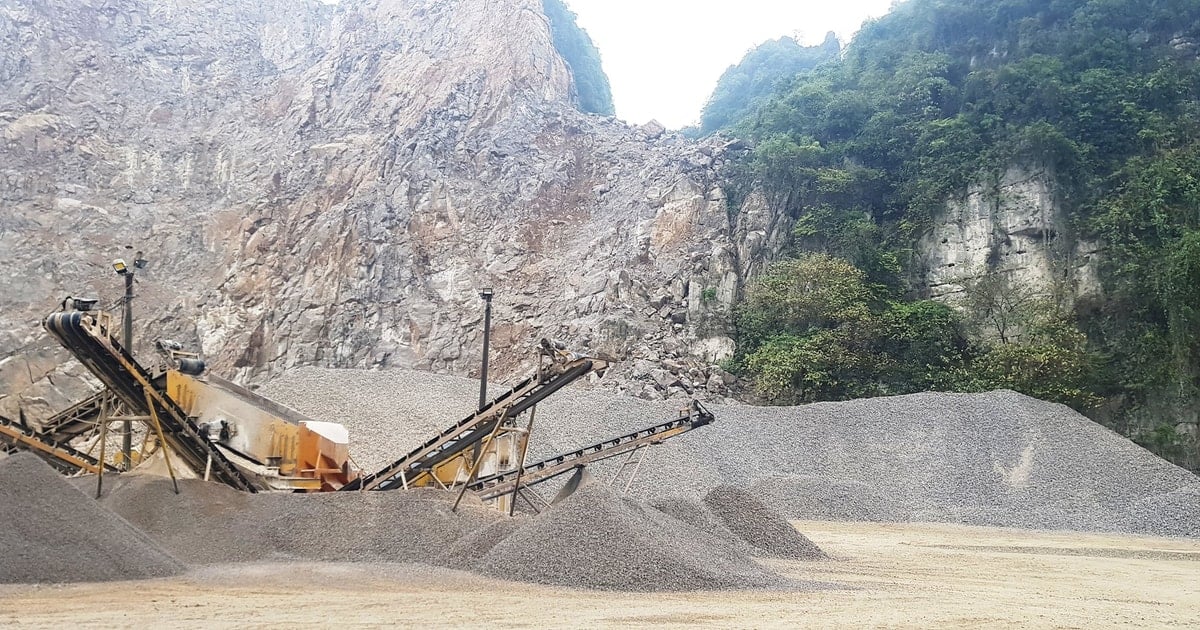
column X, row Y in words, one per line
column 119, row 266
column 140, row 262
column 486, row 293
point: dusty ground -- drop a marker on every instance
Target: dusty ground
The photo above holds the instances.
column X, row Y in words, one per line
column 894, row 576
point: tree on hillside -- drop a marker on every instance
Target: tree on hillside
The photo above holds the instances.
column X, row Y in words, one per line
column 758, row 74
column 577, row 49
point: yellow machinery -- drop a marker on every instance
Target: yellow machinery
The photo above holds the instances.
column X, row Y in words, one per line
column 219, row 430
column 279, row 446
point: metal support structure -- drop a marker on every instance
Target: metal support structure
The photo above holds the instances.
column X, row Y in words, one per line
column 127, row 341
column 638, row 451
column 162, row 439
column 103, row 439
column 558, row 369
column 486, row 294
column 524, row 448
column 482, row 452
column 505, row 483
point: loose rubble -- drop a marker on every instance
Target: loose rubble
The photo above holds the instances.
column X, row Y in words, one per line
column 208, row 523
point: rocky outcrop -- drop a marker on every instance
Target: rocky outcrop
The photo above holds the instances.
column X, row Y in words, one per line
column 1014, row 227
column 331, row 184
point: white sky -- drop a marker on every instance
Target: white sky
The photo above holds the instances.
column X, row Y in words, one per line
column 663, row 57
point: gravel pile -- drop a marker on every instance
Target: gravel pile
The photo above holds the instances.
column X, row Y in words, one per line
column 600, row 540
column 766, row 530
column 208, row 523
column 592, row 539
column 696, row 515
column 51, row 532
column 467, row 551
column 997, row 458
column 821, row 498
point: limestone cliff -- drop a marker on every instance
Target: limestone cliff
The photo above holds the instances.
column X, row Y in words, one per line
column 331, row 184
column 1014, row 226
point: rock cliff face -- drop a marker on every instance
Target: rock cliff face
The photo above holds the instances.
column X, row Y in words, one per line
column 1014, row 227
column 331, row 184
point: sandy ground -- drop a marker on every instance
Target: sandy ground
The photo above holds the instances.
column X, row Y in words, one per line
column 889, row 576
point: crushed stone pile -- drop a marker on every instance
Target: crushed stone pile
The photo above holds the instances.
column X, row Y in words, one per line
column 600, row 540
column 997, row 458
column 821, row 498
column 695, row 514
column 51, row 532
column 467, row 551
column 766, row 530
column 594, row 538
column 208, row 523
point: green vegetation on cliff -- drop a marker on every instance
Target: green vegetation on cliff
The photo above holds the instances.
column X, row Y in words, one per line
column 758, row 75
column 865, row 151
column 577, row 49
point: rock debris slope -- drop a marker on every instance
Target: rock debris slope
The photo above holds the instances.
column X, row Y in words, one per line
column 329, row 185
column 998, row 458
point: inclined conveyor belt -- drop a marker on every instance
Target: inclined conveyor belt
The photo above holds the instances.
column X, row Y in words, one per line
column 474, row 428
column 79, row 333
column 504, row 483
column 15, row 436
column 77, row 419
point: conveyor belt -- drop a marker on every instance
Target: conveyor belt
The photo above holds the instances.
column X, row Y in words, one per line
column 79, row 418
column 15, row 436
column 104, row 357
column 503, row 483
column 421, row 461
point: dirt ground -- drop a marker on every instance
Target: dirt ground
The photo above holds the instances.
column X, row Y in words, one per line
column 885, row 576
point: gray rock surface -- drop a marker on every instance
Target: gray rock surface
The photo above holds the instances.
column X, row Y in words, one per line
column 330, row 185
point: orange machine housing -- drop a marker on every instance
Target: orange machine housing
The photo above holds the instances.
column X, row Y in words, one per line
column 279, row 447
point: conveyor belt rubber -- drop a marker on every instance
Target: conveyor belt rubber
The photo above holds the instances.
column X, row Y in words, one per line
column 128, row 380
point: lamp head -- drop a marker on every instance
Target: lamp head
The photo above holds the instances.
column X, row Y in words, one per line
column 84, row 304
column 120, row 267
column 486, row 293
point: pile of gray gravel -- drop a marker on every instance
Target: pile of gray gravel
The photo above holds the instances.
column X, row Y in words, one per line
column 766, row 530
column 208, row 523
column 997, row 458
column 600, row 540
column 696, row 515
column 592, row 539
column 51, row 532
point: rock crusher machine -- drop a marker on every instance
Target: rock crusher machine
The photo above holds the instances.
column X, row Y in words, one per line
column 226, row 433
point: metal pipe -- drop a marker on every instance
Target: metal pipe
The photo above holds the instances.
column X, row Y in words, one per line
column 486, row 294
column 127, row 341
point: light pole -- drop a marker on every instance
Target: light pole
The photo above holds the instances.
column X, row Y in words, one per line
column 127, row 339
column 486, row 294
